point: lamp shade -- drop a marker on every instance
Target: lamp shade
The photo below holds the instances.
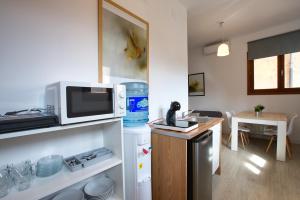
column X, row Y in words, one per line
column 223, row 50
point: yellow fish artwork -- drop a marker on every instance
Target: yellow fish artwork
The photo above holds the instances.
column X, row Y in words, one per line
column 133, row 50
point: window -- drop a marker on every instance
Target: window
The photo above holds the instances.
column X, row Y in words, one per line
column 274, row 75
column 265, row 73
column 292, row 70
column 274, row 64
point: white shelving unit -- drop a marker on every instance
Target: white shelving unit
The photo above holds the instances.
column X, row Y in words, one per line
column 107, row 133
column 42, row 187
column 55, row 129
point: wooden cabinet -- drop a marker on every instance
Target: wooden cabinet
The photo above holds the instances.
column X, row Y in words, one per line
column 170, row 161
column 169, row 168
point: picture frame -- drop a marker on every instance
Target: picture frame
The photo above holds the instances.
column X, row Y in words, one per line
column 123, row 44
column 196, row 84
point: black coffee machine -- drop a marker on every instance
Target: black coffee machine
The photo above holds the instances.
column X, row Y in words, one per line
column 171, row 114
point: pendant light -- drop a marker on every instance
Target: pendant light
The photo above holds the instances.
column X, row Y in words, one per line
column 223, row 49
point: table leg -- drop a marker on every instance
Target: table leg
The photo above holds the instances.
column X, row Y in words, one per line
column 234, row 132
column 281, row 141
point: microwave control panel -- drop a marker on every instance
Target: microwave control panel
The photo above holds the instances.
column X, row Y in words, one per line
column 120, row 100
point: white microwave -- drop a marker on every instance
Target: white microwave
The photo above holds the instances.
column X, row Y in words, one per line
column 76, row 102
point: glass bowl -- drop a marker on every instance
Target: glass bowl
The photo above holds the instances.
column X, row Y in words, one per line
column 49, row 165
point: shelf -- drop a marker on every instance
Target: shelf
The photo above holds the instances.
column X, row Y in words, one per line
column 54, row 129
column 42, row 187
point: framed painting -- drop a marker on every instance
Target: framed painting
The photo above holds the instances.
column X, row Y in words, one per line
column 196, row 84
column 123, row 44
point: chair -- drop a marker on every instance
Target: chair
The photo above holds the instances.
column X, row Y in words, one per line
column 216, row 114
column 241, row 130
column 273, row 134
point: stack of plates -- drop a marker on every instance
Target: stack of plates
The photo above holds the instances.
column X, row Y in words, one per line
column 70, row 194
column 49, row 165
column 99, row 189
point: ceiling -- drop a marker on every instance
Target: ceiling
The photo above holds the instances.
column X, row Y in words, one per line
column 240, row 17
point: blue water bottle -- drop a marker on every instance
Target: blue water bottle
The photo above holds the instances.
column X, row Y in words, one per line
column 137, row 110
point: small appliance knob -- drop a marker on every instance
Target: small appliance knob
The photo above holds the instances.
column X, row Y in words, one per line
column 121, row 94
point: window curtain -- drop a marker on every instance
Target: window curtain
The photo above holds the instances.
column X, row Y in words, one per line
column 273, row 46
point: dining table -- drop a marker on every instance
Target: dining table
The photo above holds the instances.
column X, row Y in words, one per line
column 265, row 118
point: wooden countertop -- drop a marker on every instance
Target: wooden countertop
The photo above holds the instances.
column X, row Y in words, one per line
column 202, row 127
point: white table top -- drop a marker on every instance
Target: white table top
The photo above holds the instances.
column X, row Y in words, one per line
column 265, row 116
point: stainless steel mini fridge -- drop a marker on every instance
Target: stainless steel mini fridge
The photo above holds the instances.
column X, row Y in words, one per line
column 200, row 167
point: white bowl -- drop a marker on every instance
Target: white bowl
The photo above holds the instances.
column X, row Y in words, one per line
column 70, row 194
column 100, row 187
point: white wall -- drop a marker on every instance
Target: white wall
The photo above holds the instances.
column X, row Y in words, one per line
column 46, row 41
column 226, row 79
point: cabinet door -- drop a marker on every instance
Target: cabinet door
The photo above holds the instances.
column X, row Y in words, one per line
column 169, row 168
column 216, row 147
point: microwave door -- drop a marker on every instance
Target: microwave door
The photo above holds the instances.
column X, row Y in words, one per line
column 89, row 101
